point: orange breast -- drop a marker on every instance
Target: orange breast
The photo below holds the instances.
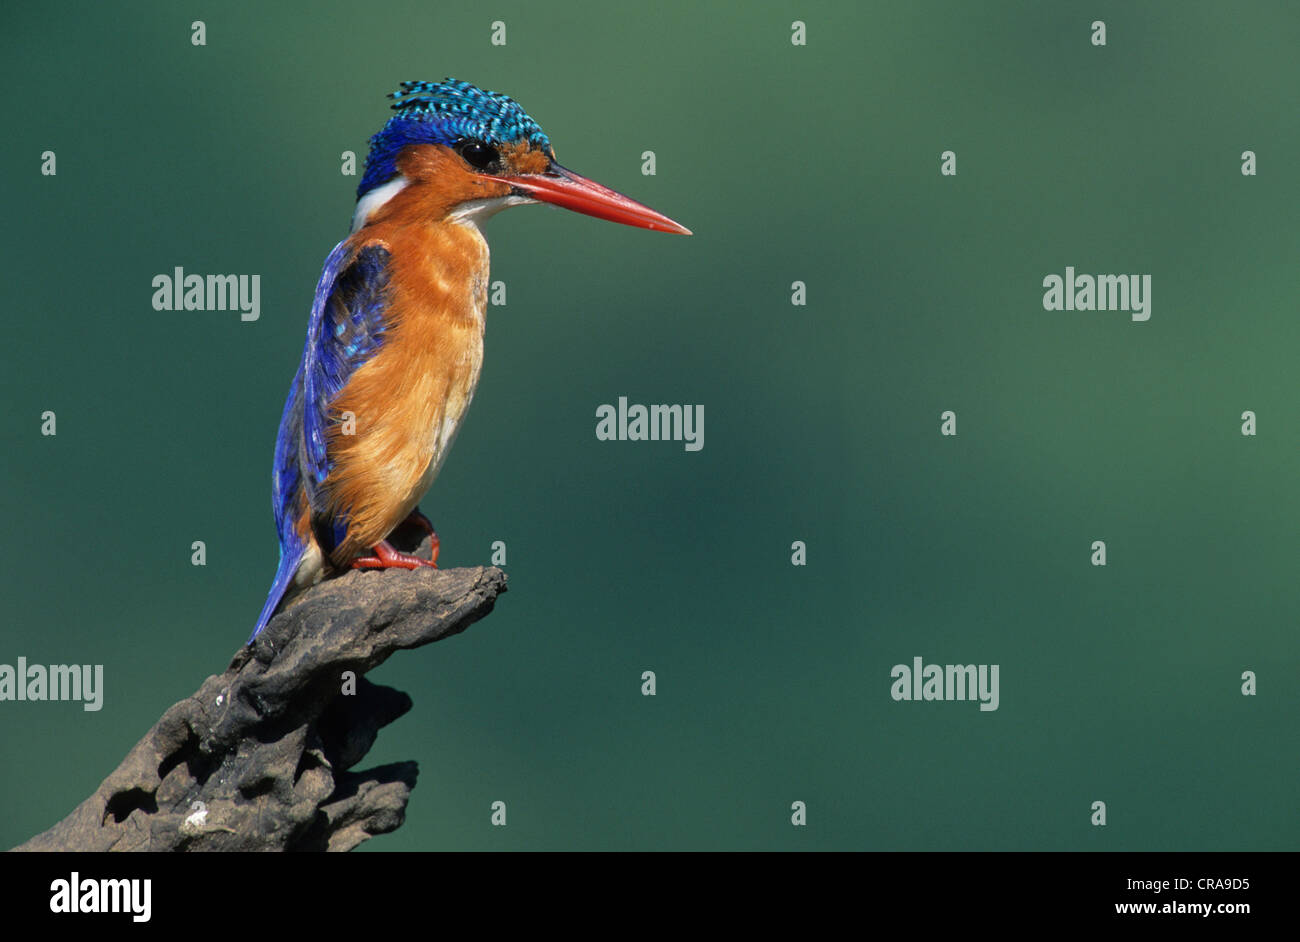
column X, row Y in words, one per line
column 409, row 400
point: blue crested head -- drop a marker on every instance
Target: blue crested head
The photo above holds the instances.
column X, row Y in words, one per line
column 465, row 154
column 443, row 113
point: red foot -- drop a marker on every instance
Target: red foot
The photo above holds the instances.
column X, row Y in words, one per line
column 425, row 524
column 388, row 558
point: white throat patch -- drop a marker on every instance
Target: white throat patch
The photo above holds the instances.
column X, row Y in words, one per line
column 377, row 197
column 476, row 212
column 471, row 213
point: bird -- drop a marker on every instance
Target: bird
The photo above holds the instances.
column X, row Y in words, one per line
column 394, row 343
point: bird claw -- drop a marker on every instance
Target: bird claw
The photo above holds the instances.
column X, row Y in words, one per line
column 388, row 558
column 417, row 519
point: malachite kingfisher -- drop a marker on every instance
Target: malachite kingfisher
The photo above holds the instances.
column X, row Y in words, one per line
column 395, row 339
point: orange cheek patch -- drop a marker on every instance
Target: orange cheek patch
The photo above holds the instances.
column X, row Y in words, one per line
column 442, row 182
column 487, row 189
column 423, row 161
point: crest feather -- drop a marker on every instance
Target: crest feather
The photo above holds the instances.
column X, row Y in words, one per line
column 443, row 113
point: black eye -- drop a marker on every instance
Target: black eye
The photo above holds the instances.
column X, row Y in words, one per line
column 478, row 154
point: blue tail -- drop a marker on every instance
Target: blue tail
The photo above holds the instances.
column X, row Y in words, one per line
column 283, row 576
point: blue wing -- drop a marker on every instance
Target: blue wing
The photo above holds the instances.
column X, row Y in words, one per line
column 348, row 330
column 346, row 327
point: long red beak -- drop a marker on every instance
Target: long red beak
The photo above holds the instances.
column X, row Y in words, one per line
column 566, row 188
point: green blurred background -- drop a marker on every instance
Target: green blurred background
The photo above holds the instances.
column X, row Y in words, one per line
column 818, row 164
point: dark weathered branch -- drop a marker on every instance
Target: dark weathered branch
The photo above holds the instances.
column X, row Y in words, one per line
column 259, row 757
